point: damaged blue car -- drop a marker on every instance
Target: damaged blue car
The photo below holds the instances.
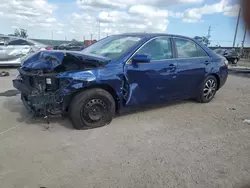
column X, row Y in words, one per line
column 118, row 73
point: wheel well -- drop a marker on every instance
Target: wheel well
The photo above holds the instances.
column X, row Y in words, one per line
column 218, row 80
column 102, row 86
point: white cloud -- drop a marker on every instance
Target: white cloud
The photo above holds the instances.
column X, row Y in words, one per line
column 232, row 10
column 50, row 20
column 110, row 16
column 122, row 16
column 30, row 13
column 191, row 1
column 59, row 32
column 122, row 4
column 148, row 11
column 194, row 15
column 138, row 18
column 176, row 14
column 72, row 30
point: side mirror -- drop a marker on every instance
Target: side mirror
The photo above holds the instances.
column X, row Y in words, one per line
column 140, row 59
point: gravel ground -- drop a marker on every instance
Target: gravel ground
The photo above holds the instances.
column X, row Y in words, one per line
column 184, row 144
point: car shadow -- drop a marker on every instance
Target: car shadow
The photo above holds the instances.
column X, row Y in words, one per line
column 146, row 108
column 15, row 105
column 244, row 186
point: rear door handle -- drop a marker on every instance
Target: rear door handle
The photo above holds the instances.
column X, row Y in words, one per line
column 207, row 62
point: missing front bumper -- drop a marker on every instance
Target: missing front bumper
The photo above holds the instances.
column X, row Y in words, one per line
column 38, row 104
column 23, row 88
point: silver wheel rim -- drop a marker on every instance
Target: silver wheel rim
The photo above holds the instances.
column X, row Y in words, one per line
column 235, row 61
column 209, row 89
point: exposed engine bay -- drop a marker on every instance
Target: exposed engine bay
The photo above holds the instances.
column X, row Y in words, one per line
column 41, row 84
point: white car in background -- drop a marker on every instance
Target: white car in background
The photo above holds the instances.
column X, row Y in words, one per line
column 13, row 49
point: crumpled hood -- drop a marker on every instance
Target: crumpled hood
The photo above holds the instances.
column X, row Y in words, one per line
column 49, row 60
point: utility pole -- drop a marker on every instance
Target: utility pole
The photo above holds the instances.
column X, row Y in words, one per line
column 208, row 35
column 83, row 38
column 243, row 41
column 91, row 36
column 208, row 32
column 52, row 35
column 236, row 29
column 65, row 38
column 99, row 35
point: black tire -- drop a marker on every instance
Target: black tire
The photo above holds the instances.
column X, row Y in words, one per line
column 91, row 109
column 235, row 61
column 209, row 82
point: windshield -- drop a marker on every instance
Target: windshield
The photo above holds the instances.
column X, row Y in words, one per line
column 112, row 47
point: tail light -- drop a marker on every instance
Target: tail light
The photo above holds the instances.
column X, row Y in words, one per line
column 48, row 48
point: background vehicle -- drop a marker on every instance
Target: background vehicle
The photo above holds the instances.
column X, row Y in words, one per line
column 13, row 49
column 73, row 46
column 231, row 55
column 118, row 73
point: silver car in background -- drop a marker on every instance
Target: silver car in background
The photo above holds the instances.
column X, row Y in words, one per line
column 14, row 49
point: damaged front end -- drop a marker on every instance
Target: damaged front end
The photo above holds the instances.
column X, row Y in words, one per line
column 42, row 82
column 40, row 93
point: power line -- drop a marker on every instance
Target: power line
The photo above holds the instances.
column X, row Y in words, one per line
column 243, row 41
column 236, row 29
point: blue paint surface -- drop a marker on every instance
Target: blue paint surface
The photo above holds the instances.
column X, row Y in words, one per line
column 145, row 83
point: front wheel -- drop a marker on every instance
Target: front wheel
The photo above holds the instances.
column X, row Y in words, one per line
column 91, row 109
column 207, row 90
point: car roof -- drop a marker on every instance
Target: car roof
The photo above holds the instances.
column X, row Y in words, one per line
column 12, row 38
column 151, row 35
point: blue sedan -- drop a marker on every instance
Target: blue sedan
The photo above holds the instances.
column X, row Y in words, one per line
column 119, row 73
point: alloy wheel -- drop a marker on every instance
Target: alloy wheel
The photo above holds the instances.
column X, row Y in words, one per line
column 209, row 89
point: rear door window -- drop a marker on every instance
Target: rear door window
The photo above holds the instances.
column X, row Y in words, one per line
column 188, row 49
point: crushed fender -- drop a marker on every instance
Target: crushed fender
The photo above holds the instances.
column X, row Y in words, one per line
column 47, row 79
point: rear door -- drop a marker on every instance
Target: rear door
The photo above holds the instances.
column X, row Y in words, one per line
column 17, row 48
column 153, row 81
column 192, row 63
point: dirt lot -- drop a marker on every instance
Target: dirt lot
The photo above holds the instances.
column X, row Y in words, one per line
column 184, row 144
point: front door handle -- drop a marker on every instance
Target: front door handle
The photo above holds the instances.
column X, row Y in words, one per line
column 172, row 67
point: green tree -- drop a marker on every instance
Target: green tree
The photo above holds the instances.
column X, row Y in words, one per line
column 203, row 40
column 21, row 33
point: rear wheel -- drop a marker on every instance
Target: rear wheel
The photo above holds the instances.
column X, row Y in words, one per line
column 207, row 90
column 91, row 109
column 235, row 61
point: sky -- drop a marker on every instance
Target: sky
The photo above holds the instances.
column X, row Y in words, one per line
column 86, row 19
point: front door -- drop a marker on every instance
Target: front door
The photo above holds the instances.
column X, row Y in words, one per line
column 154, row 81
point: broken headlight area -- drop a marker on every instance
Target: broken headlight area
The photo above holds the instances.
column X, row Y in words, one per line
column 40, row 92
